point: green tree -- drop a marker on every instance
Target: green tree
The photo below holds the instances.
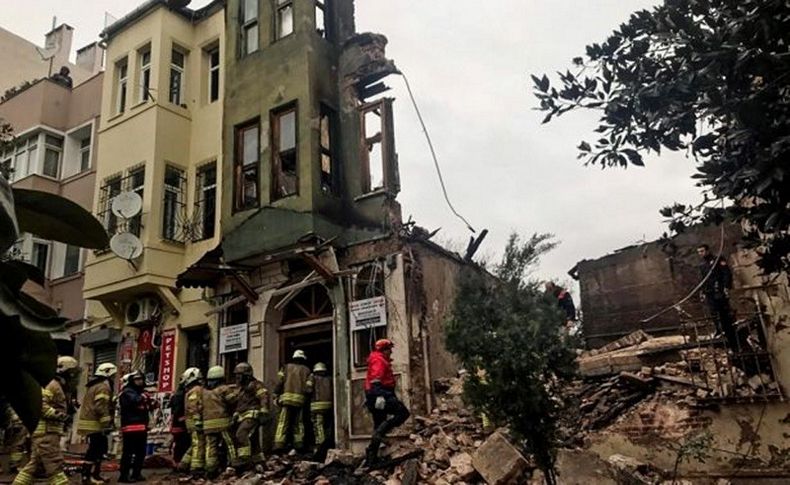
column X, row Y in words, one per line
column 504, row 325
column 709, row 77
column 27, row 352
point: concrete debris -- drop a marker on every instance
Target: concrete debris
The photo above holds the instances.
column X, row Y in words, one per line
column 499, row 462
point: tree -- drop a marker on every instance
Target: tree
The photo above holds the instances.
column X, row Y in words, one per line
column 710, row 77
column 27, row 352
column 503, row 325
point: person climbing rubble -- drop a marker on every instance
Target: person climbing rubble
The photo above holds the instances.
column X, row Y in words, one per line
column 252, row 413
column 387, row 410
column 321, row 409
column 45, row 439
column 219, row 402
column 294, row 383
column 96, row 421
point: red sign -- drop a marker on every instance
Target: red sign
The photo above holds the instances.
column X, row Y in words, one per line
column 167, row 361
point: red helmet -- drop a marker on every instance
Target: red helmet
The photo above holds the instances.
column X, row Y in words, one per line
column 383, row 344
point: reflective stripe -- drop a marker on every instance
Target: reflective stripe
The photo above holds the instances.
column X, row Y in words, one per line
column 318, row 428
column 59, row 479
column 230, row 447
column 23, row 478
column 89, row 425
column 133, row 428
column 100, row 396
column 260, row 392
column 245, row 451
column 104, row 419
column 251, row 414
column 320, row 405
column 292, row 399
column 45, row 427
column 217, row 423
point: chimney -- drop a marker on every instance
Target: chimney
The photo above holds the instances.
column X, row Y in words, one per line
column 90, row 57
column 58, row 40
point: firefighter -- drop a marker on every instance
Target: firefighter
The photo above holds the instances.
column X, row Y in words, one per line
column 95, row 421
column 135, row 413
column 193, row 407
column 219, row 401
column 45, row 440
column 178, row 425
column 380, row 397
column 294, row 383
column 15, row 440
column 252, row 412
column 321, row 408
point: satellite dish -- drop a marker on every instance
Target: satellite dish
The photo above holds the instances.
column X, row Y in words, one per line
column 127, row 205
column 126, row 246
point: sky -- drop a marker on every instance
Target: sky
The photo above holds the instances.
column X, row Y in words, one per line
column 469, row 64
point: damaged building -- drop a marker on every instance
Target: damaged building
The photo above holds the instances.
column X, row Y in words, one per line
column 658, row 379
column 267, row 177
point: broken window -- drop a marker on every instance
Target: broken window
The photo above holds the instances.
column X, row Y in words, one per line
column 377, row 146
column 249, row 26
column 285, row 175
column 246, row 166
column 285, row 18
column 320, row 18
column 369, row 283
column 328, row 176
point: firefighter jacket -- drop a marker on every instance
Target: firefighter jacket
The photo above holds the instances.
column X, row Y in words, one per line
column 178, row 422
column 322, row 393
column 194, row 408
column 295, row 382
column 135, row 409
column 379, row 373
column 96, row 409
column 218, row 406
column 253, row 400
column 54, row 407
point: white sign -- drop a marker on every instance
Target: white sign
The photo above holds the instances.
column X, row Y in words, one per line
column 368, row 313
column 233, row 338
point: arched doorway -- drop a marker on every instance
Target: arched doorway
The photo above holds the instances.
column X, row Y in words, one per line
column 306, row 324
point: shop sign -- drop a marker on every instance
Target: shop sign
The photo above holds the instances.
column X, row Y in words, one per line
column 233, row 338
column 368, row 313
column 167, row 361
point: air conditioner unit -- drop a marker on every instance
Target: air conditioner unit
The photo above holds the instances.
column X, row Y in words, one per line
column 141, row 310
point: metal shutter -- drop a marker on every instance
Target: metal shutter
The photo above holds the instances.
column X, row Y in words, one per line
column 104, row 353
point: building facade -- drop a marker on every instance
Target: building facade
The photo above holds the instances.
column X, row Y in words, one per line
column 160, row 145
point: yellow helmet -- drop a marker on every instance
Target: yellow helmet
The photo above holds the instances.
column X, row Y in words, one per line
column 319, row 367
column 216, row 372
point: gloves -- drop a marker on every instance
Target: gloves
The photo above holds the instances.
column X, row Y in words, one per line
column 381, row 403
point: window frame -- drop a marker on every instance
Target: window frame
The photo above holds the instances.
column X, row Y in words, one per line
column 323, row 7
column 145, row 74
column 281, row 6
column 83, row 150
column 214, row 74
column 376, row 287
column 240, row 168
column 201, row 191
column 384, row 139
column 329, row 184
column 246, row 25
column 78, row 268
column 277, row 154
column 122, row 86
column 176, row 92
column 48, row 261
column 172, row 227
column 55, row 148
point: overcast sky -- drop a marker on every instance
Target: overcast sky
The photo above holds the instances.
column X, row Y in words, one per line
column 469, row 64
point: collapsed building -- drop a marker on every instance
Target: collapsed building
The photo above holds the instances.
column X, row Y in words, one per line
column 658, row 381
column 256, row 212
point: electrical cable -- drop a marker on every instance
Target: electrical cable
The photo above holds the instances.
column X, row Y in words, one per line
column 433, row 154
column 699, row 285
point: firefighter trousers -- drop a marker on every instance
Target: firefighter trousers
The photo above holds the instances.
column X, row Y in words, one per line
column 247, row 443
column 45, row 455
column 212, row 450
column 320, row 420
column 197, row 452
column 289, row 423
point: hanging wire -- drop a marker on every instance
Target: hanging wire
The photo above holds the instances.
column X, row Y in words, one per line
column 433, row 154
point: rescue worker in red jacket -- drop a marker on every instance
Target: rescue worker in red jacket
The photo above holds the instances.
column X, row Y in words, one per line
column 135, row 409
column 387, row 410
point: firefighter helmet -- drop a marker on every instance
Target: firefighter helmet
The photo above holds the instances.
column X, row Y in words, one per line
column 191, row 375
column 319, row 367
column 216, row 372
column 299, row 354
column 383, row 344
column 243, row 368
column 66, row 364
column 106, row 370
column 126, row 378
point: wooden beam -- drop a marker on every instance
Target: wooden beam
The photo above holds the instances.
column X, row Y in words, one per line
column 241, row 285
column 318, row 266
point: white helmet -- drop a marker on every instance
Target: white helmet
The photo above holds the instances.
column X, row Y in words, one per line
column 125, row 379
column 191, row 375
column 299, row 354
column 319, row 367
column 106, row 370
column 66, row 364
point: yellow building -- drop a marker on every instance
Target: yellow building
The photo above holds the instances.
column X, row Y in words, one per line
column 160, row 132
